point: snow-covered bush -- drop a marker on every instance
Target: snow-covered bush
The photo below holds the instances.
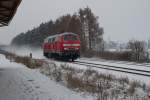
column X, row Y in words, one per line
column 104, row 86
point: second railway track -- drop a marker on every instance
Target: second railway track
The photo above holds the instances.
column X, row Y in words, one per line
column 116, row 68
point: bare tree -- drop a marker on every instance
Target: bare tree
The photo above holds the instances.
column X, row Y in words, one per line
column 138, row 50
column 90, row 28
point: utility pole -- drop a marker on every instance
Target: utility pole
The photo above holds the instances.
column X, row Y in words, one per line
column 86, row 31
column 148, row 43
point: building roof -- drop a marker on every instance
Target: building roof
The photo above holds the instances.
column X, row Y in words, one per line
column 7, row 10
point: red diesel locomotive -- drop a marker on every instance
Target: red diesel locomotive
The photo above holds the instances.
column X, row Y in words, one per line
column 65, row 45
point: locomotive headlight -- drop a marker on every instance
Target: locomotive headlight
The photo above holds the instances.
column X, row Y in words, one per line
column 71, row 44
column 66, row 44
column 65, row 48
column 75, row 44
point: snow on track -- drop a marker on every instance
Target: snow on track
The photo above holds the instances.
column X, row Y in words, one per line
column 123, row 65
column 120, row 74
column 115, row 61
column 143, row 79
column 115, row 68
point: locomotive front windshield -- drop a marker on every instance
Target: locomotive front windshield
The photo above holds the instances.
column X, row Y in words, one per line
column 70, row 37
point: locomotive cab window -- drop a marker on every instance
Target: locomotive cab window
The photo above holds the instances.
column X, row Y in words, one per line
column 70, row 37
column 49, row 40
column 53, row 39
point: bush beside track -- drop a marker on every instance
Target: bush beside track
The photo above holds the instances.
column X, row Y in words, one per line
column 29, row 62
column 119, row 56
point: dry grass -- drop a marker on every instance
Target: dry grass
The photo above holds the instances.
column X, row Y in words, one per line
column 31, row 63
column 104, row 86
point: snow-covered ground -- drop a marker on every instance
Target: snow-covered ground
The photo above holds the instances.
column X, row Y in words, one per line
column 79, row 72
column 25, row 51
column 37, row 53
column 122, row 64
column 20, row 83
column 143, row 79
column 39, row 87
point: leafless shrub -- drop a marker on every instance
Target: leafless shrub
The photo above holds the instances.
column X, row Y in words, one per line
column 89, row 71
column 123, row 80
column 31, row 63
column 114, row 94
column 87, row 74
column 67, row 68
column 88, row 53
column 102, row 92
column 10, row 56
column 137, row 53
column 132, row 87
column 106, row 77
column 138, row 50
column 148, row 89
column 104, row 85
column 23, row 60
column 74, row 82
column 58, row 75
column 145, row 98
column 45, row 69
column 144, row 86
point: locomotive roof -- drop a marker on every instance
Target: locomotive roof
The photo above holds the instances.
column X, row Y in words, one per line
column 61, row 34
column 7, row 10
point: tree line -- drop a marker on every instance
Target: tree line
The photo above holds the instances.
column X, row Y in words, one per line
column 83, row 22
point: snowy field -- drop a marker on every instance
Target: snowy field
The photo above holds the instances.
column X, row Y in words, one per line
column 20, row 83
column 142, row 79
column 37, row 53
column 123, row 64
column 32, row 80
column 25, row 51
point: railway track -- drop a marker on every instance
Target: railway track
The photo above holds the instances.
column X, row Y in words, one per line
column 116, row 68
column 133, row 63
column 110, row 67
column 129, row 63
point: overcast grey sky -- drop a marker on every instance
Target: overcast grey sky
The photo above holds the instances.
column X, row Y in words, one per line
column 121, row 19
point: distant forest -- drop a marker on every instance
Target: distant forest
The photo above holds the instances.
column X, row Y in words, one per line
column 75, row 23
